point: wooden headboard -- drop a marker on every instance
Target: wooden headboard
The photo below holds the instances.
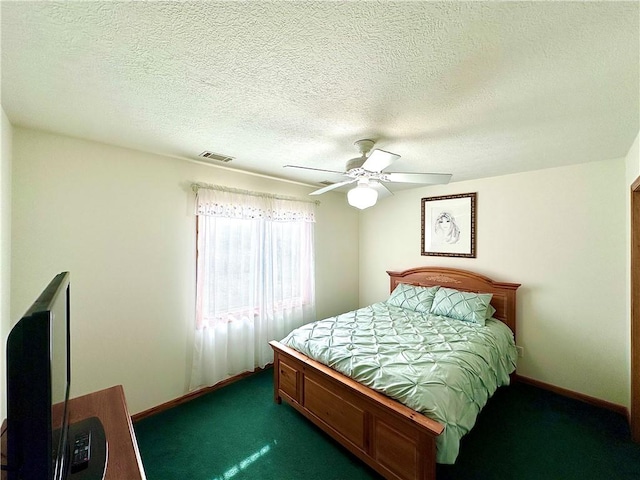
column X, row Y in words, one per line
column 504, row 294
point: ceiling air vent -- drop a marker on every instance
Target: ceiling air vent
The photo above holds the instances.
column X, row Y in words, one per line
column 216, row 156
column 327, row 183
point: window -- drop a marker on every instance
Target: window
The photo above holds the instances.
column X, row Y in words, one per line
column 255, row 279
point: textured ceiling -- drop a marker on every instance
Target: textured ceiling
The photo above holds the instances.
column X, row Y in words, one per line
column 475, row 89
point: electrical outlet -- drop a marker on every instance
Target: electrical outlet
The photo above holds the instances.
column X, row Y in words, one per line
column 520, row 351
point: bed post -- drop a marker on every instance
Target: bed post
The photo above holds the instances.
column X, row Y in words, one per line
column 276, row 378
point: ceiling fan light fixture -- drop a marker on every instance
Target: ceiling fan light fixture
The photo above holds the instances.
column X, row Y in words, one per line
column 363, row 196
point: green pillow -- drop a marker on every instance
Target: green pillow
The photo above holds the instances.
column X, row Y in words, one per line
column 413, row 297
column 465, row 306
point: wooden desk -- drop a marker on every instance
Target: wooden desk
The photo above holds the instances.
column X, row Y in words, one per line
column 110, row 406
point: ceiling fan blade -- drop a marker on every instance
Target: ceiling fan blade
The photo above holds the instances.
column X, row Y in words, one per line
column 427, row 178
column 333, row 186
column 314, row 169
column 378, row 160
column 380, row 188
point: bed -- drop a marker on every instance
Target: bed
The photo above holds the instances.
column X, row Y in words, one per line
column 392, row 438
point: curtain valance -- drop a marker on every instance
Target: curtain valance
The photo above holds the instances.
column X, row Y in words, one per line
column 229, row 203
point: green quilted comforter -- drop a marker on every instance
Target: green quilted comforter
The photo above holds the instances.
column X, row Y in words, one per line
column 444, row 368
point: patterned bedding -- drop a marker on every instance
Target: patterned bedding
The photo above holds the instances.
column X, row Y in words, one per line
column 444, row 368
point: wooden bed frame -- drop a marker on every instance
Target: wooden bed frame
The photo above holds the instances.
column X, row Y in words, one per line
column 394, row 440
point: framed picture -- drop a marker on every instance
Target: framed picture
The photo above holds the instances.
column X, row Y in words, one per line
column 449, row 225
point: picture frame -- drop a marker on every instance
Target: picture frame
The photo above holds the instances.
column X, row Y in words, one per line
column 449, row 225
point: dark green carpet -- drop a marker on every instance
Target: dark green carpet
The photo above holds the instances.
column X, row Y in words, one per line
column 238, row 433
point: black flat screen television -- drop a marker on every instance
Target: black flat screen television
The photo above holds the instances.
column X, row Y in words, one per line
column 39, row 376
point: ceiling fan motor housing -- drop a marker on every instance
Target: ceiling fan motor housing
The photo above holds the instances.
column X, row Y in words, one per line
column 355, row 164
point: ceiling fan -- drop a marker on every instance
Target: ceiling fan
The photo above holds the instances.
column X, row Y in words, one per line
column 367, row 171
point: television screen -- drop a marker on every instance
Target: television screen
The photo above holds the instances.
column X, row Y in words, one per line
column 38, row 376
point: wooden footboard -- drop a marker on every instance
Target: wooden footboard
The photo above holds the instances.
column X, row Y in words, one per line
column 393, row 439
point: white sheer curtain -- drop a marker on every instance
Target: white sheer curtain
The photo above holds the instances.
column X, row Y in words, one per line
column 255, row 279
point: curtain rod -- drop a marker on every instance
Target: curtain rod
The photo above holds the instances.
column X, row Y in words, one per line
column 197, row 186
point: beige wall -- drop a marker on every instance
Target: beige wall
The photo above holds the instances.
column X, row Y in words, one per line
column 561, row 234
column 122, row 223
column 5, row 248
column 633, row 161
